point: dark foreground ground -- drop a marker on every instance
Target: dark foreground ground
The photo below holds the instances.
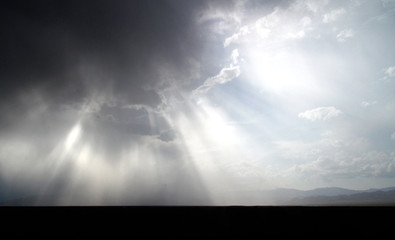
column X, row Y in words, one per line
column 198, row 221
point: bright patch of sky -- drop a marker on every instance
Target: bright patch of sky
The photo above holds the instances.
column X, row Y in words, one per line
column 317, row 61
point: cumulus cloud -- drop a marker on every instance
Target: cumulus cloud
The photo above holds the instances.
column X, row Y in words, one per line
column 242, row 32
column 264, row 25
column 321, row 113
column 305, row 21
column 389, row 72
column 333, row 15
column 219, row 17
column 368, row 164
column 235, row 56
column 282, row 24
column 368, row 103
column 344, row 34
column 225, row 75
column 314, row 6
column 227, row 11
column 334, row 158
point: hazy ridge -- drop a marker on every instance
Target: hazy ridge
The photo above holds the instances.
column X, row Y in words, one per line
column 279, row 196
column 318, row 196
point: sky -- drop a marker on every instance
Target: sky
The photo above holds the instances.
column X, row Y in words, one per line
column 182, row 102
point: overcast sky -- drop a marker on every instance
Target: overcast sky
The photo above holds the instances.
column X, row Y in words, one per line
column 177, row 102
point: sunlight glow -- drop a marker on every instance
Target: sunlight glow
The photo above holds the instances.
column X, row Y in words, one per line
column 278, row 72
column 73, row 136
column 216, row 147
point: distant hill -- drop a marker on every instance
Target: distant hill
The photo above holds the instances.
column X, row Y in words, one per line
column 323, row 196
column 280, row 196
column 379, row 189
column 362, row 198
column 333, row 191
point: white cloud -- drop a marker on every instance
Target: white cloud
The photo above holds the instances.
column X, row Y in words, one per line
column 368, row 103
column 393, row 136
column 368, row 164
column 216, row 11
column 311, row 5
column 321, row 113
column 225, row 75
column 305, row 21
column 243, row 31
column 343, row 35
column 297, row 35
column 390, row 72
column 264, row 25
column 333, row 15
column 334, row 158
column 217, row 18
column 235, row 56
column 278, row 26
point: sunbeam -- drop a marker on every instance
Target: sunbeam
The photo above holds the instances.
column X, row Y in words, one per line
column 194, row 102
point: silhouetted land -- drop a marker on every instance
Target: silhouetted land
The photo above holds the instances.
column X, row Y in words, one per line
column 198, row 221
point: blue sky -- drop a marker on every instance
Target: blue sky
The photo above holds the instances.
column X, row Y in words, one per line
column 313, row 92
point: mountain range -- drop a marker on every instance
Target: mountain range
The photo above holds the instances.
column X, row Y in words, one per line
column 276, row 197
column 318, row 196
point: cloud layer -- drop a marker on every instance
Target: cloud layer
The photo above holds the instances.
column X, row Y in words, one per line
column 225, row 75
column 177, row 102
column 321, row 113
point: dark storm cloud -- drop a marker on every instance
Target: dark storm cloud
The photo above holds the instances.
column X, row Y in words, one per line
column 101, row 65
column 64, row 49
